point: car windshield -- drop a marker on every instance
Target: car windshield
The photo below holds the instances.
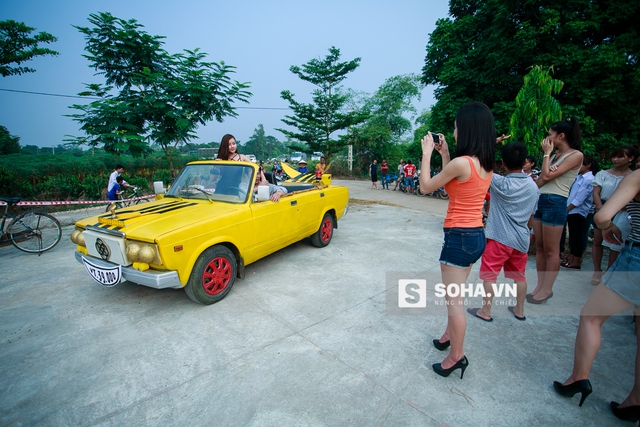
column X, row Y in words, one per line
column 225, row 182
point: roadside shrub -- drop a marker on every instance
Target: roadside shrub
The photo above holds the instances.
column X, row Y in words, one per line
column 60, row 188
column 163, row 175
column 92, row 187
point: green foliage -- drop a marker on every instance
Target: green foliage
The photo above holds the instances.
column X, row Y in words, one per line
column 263, row 146
column 484, row 50
column 387, row 123
column 163, row 175
column 318, row 121
column 30, row 149
column 93, row 187
column 9, row 144
column 536, row 108
column 68, row 176
column 18, row 45
column 60, row 187
column 150, row 96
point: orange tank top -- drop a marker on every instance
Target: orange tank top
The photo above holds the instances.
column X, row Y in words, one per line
column 466, row 199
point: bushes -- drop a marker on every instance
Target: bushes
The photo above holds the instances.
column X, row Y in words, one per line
column 65, row 187
column 92, row 187
column 77, row 176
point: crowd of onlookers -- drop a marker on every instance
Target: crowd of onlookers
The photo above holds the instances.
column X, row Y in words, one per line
column 567, row 193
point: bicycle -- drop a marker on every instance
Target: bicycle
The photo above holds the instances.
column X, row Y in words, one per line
column 33, row 232
column 126, row 201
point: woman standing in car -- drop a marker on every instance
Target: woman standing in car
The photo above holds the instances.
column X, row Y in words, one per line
column 229, row 149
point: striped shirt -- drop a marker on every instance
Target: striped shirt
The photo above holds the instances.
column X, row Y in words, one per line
column 633, row 209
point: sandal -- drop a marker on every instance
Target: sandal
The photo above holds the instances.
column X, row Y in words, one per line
column 567, row 265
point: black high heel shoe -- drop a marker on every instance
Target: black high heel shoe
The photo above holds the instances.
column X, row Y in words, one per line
column 531, row 300
column 569, row 390
column 462, row 364
column 441, row 345
column 630, row 413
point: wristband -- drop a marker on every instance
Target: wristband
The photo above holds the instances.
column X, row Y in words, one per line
column 546, row 155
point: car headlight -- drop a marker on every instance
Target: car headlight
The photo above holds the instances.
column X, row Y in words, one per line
column 78, row 238
column 140, row 252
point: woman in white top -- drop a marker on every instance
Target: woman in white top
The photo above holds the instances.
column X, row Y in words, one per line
column 557, row 173
column 604, row 184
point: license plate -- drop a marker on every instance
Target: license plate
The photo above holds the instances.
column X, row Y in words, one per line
column 106, row 276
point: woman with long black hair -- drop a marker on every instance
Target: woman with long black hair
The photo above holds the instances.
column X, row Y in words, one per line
column 466, row 180
column 557, row 174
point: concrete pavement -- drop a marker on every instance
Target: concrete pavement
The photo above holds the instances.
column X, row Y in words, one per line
column 305, row 339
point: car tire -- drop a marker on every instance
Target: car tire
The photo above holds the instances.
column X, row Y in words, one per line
column 212, row 276
column 322, row 237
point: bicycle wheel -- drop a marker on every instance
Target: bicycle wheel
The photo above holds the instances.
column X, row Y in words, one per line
column 34, row 232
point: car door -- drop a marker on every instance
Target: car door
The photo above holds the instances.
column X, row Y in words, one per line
column 275, row 225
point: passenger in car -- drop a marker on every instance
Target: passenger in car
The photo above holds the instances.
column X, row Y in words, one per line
column 275, row 191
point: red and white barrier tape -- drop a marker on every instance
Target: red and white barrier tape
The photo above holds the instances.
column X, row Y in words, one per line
column 77, row 202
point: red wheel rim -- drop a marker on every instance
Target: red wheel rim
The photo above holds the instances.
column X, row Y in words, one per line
column 216, row 275
column 326, row 230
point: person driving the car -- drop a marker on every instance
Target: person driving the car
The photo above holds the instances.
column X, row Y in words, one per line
column 275, row 191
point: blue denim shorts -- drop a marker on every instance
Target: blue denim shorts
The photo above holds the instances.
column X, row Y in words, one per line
column 462, row 247
column 624, row 275
column 408, row 181
column 552, row 210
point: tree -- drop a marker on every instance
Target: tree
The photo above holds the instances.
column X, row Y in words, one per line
column 536, row 108
column 262, row 145
column 484, row 50
column 149, row 96
column 30, row 149
column 318, row 121
column 388, row 122
column 17, row 45
column 9, row 144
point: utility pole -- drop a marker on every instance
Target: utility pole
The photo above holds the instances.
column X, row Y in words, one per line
column 350, row 156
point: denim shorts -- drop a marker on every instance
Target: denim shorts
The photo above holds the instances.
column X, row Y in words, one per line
column 624, row 275
column 462, row 247
column 552, row 210
column 408, row 181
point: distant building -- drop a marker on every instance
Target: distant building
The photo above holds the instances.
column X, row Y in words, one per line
column 207, row 153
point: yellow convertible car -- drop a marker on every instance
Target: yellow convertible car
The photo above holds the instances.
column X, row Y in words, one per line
column 212, row 222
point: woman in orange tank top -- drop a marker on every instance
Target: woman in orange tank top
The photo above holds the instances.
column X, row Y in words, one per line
column 466, row 179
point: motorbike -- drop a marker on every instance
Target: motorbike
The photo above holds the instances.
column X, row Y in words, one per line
column 440, row 193
column 402, row 184
column 390, row 179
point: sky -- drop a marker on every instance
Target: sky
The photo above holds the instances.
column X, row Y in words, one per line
column 262, row 39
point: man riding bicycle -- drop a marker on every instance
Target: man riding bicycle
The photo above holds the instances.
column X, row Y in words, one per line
column 112, row 179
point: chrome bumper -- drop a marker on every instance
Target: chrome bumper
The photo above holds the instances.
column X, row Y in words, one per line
column 150, row 278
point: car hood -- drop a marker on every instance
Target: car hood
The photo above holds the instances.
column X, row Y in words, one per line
column 150, row 221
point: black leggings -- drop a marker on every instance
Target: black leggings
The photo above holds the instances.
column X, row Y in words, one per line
column 578, row 227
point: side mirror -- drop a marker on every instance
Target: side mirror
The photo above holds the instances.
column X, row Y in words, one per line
column 263, row 193
column 158, row 187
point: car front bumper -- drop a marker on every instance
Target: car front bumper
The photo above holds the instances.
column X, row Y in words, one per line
column 150, row 278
